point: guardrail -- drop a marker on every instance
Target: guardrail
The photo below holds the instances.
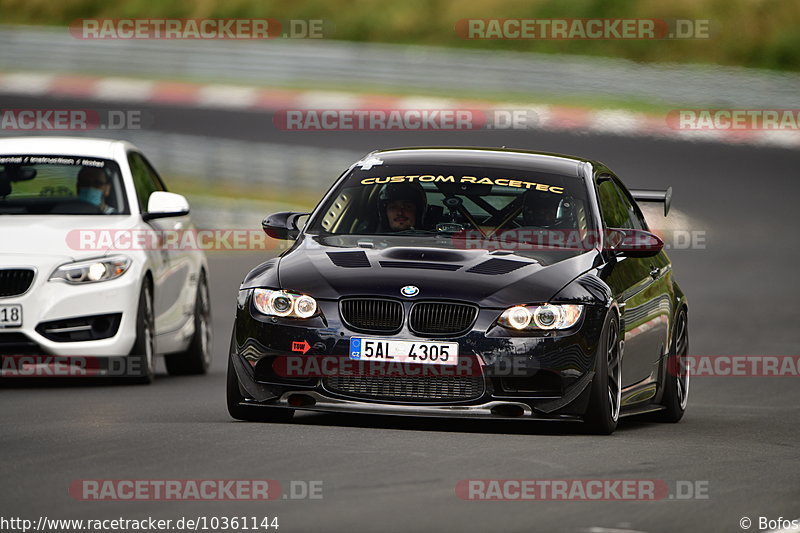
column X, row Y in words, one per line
column 342, row 64
column 277, row 168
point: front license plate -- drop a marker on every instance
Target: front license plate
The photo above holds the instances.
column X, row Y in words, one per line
column 424, row 352
column 10, row 315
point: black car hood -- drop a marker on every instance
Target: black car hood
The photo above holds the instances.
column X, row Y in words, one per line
column 332, row 267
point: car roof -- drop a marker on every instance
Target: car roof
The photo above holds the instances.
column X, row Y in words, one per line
column 537, row 161
column 76, row 146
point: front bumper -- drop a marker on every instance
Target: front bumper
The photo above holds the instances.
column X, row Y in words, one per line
column 545, row 376
column 314, row 401
column 46, row 303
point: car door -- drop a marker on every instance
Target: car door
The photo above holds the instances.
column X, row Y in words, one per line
column 174, row 268
column 658, row 295
column 638, row 285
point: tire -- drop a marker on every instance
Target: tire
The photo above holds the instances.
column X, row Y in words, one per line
column 197, row 358
column 141, row 360
column 602, row 414
column 251, row 413
column 676, row 379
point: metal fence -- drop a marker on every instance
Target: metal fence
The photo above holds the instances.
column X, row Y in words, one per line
column 272, row 166
column 290, row 168
column 264, row 168
column 345, row 64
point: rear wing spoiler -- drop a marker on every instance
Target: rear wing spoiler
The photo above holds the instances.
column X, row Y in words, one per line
column 647, row 195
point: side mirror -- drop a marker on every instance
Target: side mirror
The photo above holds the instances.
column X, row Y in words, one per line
column 632, row 242
column 164, row 204
column 282, row 225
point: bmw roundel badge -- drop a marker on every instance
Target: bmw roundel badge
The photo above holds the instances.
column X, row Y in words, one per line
column 409, row 290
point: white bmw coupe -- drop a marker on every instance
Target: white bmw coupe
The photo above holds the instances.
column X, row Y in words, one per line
column 80, row 275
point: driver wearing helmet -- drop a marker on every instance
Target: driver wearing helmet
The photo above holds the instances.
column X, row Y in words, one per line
column 401, row 206
column 544, row 210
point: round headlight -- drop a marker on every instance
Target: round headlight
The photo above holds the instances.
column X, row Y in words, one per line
column 519, row 317
column 96, row 271
column 281, row 303
column 571, row 315
column 305, row 306
column 261, row 300
column 546, row 317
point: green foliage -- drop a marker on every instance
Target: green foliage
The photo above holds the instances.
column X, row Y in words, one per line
column 752, row 33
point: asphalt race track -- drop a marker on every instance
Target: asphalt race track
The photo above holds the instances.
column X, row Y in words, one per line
column 739, row 437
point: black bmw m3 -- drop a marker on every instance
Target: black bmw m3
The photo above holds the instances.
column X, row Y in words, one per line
column 465, row 282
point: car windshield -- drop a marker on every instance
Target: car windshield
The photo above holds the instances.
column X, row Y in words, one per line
column 60, row 185
column 512, row 203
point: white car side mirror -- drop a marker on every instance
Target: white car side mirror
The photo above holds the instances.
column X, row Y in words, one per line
column 166, row 204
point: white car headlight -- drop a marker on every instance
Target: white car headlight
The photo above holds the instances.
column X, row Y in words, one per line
column 92, row 270
column 284, row 303
column 541, row 317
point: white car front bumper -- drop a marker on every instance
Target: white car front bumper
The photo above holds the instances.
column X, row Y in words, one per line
column 47, row 301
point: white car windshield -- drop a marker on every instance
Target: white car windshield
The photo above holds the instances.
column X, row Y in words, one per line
column 60, row 185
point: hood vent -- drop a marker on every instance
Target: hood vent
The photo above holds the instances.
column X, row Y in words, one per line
column 494, row 267
column 424, row 254
column 349, row 259
column 421, row 265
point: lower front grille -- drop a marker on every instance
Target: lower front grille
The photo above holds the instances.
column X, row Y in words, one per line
column 432, row 389
column 15, row 281
column 17, row 343
column 85, row 328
